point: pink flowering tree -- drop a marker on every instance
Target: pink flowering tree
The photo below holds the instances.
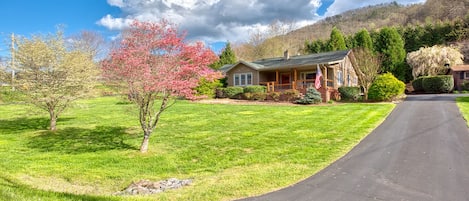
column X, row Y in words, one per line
column 155, row 66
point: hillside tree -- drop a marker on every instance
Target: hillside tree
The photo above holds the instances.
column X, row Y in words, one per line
column 227, row 56
column 391, row 45
column 315, row 46
column 366, row 65
column 363, row 39
column 337, row 40
column 90, row 42
column 431, row 61
column 156, row 67
column 52, row 75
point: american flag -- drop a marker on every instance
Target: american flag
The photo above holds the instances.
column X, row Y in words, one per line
column 317, row 81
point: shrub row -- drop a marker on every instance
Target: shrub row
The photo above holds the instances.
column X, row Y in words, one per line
column 434, row 84
column 256, row 92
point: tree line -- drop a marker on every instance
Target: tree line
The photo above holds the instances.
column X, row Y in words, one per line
column 393, row 43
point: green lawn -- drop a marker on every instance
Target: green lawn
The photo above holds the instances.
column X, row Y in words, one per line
column 230, row 151
column 463, row 104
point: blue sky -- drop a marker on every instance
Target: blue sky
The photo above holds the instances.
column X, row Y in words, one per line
column 212, row 21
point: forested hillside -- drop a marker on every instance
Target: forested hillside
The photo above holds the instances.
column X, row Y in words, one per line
column 372, row 18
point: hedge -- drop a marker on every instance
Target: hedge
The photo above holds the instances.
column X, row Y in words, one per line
column 233, row 92
column 438, row 84
column 254, row 89
column 417, row 84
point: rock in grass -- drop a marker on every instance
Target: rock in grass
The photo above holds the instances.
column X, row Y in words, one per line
column 147, row 187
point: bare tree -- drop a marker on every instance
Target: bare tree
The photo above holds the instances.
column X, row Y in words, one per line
column 270, row 41
column 90, row 42
column 366, row 65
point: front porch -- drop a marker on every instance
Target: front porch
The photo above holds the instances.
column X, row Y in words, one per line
column 300, row 80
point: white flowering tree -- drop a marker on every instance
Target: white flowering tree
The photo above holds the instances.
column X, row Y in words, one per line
column 431, row 61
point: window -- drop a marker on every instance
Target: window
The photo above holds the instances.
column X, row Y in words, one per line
column 242, row 79
column 340, row 79
column 308, row 75
column 466, row 74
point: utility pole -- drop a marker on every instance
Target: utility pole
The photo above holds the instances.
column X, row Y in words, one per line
column 12, row 62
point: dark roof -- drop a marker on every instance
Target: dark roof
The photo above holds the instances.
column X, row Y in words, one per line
column 460, row 68
column 294, row 61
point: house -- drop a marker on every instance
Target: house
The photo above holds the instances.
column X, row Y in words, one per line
column 461, row 76
column 296, row 72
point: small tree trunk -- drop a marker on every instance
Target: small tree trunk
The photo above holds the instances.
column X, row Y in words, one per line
column 146, row 139
column 53, row 121
column 365, row 94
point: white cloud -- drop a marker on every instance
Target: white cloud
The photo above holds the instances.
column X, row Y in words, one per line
column 227, row 20
column 117, row 3
column 114, row 23
column 212, row 20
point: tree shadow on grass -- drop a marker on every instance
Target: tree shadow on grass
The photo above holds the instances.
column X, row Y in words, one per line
column 78, row 140
column 13, row 190
column 19, row 125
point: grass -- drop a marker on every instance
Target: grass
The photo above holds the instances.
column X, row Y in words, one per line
column 230, row 151
column 463, row 104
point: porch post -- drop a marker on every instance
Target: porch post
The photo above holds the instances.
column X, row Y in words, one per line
column 295, row 74
column 325, row 77
column 276, row 77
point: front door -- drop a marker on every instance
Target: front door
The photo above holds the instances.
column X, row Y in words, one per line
column 285, row 78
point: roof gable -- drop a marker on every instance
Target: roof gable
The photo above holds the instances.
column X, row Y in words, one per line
column 228, row 67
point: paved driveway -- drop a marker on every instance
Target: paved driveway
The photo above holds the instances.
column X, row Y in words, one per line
column 420, row 152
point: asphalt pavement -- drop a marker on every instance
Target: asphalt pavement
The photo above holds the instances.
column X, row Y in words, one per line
column 419, row 153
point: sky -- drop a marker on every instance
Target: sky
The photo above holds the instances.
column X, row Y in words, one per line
column 212, row 21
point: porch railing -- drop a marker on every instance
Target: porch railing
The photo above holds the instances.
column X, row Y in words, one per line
column 298, row 85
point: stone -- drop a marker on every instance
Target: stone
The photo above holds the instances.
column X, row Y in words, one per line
column 147, row 187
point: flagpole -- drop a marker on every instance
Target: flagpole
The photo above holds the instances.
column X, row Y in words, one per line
column 12, row 62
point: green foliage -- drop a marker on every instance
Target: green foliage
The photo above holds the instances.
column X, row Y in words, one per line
column 208, row 88
column 233, row 92
column 227, row 56
column 336, row 41
column 465, row 85
column 259, row 96
column 312, row 96
column 363, row 39
column 289, row 95
column 459, row 30
column 385, row 88
column 254, row 89
column 316, row 46
column 275, row 96
column 438, row 84
column 350, row 93
column 391, row 45
column 417, row 84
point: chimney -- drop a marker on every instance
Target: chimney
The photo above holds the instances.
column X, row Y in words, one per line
column 286, row 55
